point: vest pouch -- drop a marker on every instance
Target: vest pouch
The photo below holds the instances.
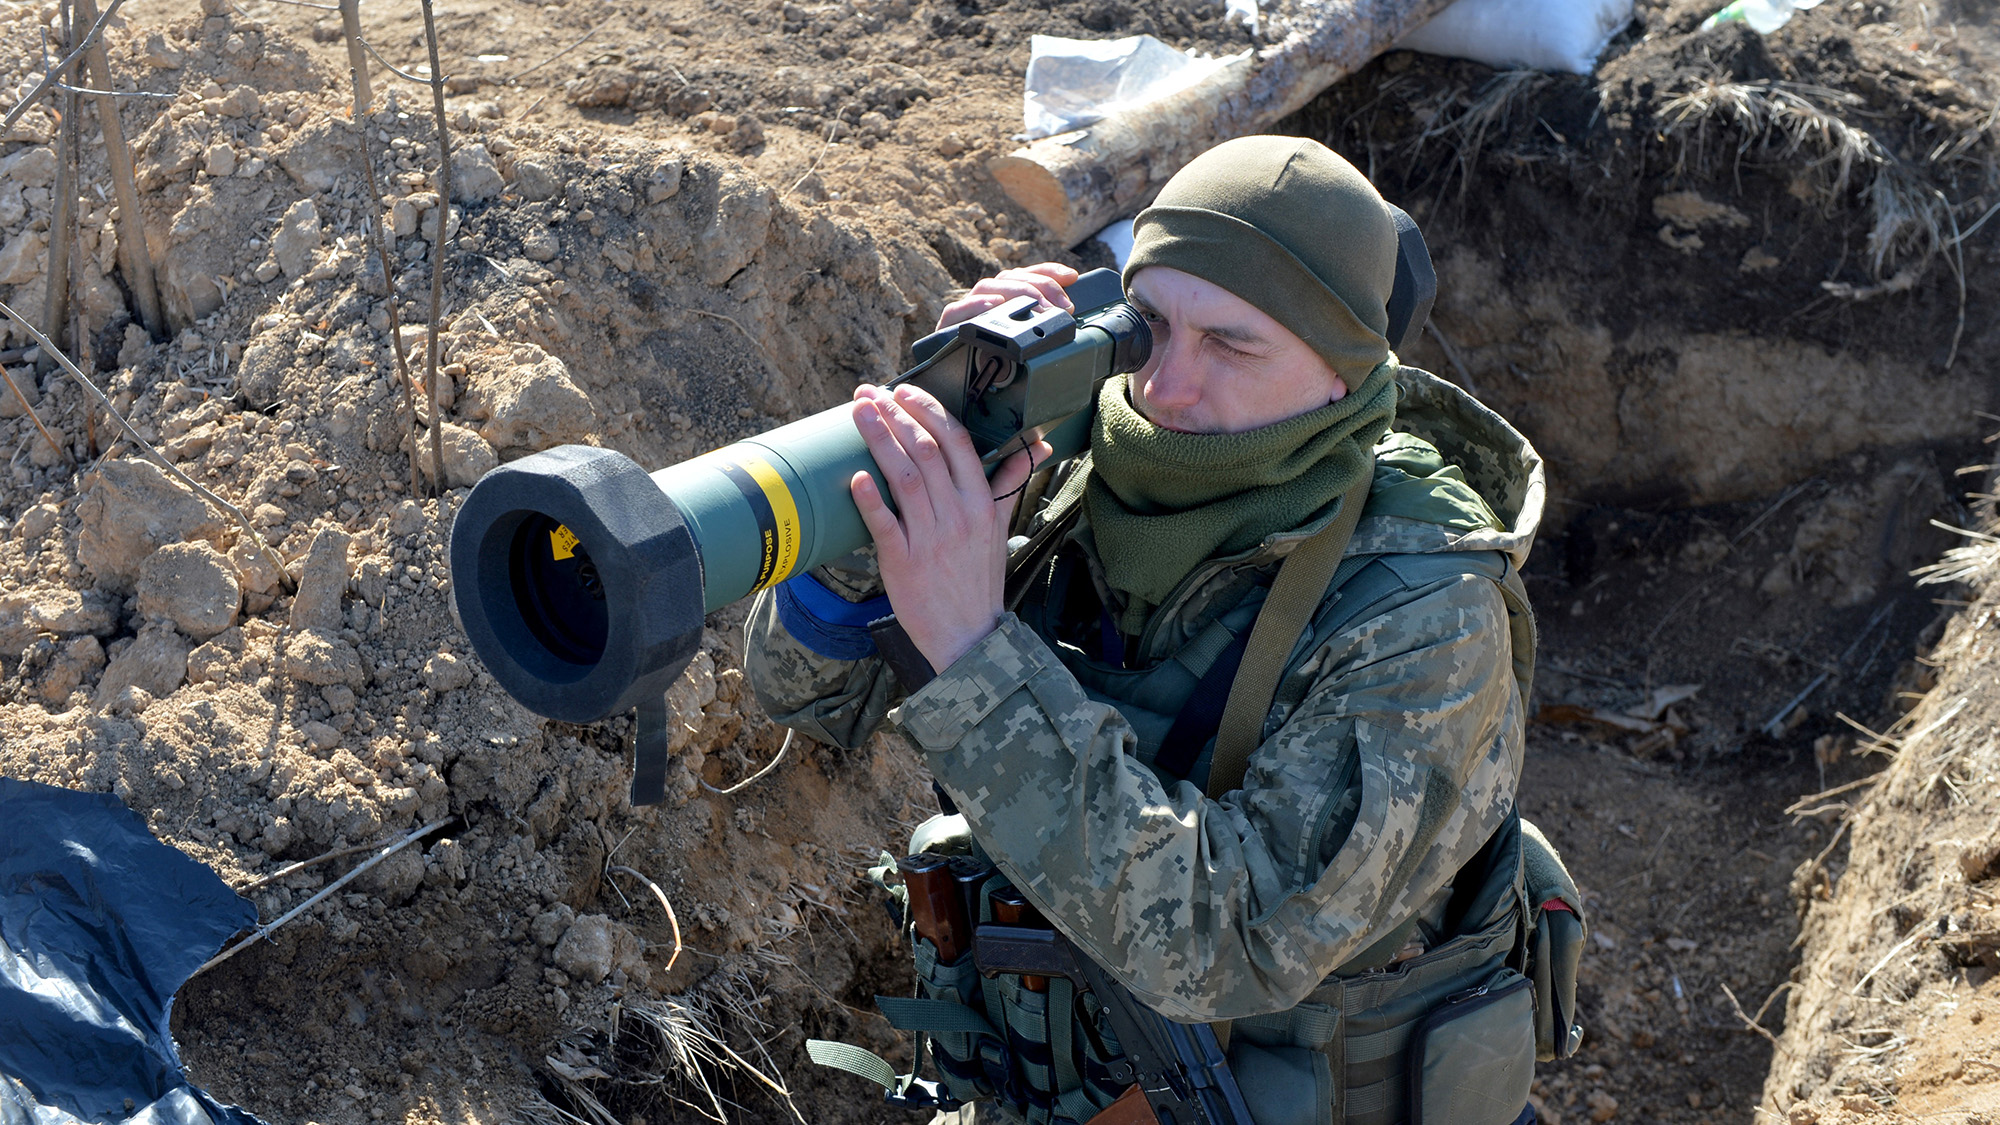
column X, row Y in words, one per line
column 1472, row 1059
column 1555, row 945
column 1283, row 1085
column 971, row 1064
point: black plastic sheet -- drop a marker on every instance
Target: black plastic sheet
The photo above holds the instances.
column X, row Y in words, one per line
column 100, row 923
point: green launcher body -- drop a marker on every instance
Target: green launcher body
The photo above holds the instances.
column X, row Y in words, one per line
column 582, row 580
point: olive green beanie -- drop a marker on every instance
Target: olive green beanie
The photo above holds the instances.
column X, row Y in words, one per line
column 1289, row 226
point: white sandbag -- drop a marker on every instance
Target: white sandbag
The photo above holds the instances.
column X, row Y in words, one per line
column 1076, row 82
column 1539, row 34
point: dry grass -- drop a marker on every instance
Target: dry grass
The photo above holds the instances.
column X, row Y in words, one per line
column 687, row 1053
column 1466, row 131
column 1793, row 123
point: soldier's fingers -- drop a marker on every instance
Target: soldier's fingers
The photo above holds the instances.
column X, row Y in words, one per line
column 939, row 492
column 967, row 476
column 904, row 476
column 1047, row 281
column 1062, row 274
column 1003, row 287
column 890, row 545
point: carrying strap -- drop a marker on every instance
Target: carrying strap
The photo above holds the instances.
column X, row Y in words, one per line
column 1295, row 596
column 652, row 740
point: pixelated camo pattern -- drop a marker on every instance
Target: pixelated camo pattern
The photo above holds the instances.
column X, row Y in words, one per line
column 1218, row 909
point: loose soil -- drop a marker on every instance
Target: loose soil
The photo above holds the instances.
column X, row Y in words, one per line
column 681, row 223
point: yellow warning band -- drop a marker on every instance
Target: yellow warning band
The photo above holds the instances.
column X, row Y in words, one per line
column 777, row 516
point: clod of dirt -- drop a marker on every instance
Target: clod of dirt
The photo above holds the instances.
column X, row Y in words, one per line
column 318, row 657
column 445, row 672
column 193, row 586
column 51, row 669
column 322, row 581
column 298, row 239
column 155, row 662
column 594, row 945
column 467, row 456
column 134, row 510
column 474, row 179
column 27, row 614
column 524, row 401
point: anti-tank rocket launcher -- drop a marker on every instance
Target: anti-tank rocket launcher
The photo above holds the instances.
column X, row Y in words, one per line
column 582, row 579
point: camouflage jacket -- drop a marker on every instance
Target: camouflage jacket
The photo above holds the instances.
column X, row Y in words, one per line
column 1390, row 755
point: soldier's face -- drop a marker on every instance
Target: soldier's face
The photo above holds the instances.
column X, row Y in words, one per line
column 1220, row 366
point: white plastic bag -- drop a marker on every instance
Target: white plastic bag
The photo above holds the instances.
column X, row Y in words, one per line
column 1074, row 82
column 1540, row 34
column 1763, row 16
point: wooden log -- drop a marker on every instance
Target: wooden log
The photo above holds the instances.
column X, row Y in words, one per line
column 1075, row 183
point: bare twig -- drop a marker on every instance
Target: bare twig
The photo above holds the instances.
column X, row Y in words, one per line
column 1750, row 1023
column 602, row 24
column 758, row 776
column 357, row 65
column 673, row 922
column 301, row 865
column 1794, row 809
column 39, row 428
column 1451, row 355
column 94, row 92
column 437, row 251
column 266, row 929
column 388, row 276
column 62, row 225
column 814, row 167
column 152, row 454
column 54, row 73
column 392, row 67
column 133, row 252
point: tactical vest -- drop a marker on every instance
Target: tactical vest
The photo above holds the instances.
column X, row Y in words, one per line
column 1450, row 1035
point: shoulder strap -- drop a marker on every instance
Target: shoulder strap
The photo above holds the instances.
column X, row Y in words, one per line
column 1295, row 595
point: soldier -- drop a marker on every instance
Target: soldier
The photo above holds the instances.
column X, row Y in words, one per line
column 1328, row 904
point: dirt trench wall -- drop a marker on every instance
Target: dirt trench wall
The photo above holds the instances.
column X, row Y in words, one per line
column 1658, row 412
column 1894, row 1012
column 1679, row 301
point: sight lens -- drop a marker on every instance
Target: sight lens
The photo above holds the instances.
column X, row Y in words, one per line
column 558, row 591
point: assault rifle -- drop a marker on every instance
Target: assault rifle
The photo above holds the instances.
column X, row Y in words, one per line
column 1178, row 1071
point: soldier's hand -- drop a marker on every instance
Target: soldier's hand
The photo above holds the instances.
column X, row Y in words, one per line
column 1044, row 282
column 943, row 551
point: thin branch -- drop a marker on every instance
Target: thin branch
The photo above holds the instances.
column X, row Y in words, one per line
column 755, row 777
column 268, row 928
column 673, row 922
column 559, row 54
column 39, row 428
column 67, row 88
column 814, row 167
column 301, row 865
column 437, row 253
column 1750, row 1023
column 49, row 78
column 1451, row 354
column 388, row 278
column 357, row 66
column 145, row 446
column 393, row 69
column 62, row 224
